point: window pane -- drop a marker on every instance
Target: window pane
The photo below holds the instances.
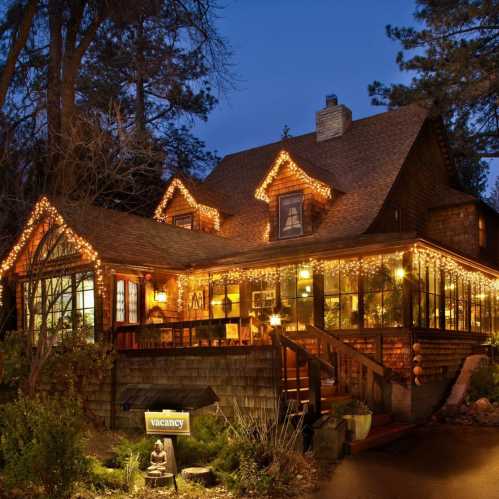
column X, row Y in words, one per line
column 304, row 313
column 332, row 278
column 305, row 282
column 290, row 215
column 288, row 282
column 184, row 221
column 120, row 300
column 133, row 302
column 349, row 311
column 373, row 309
column 332, row 312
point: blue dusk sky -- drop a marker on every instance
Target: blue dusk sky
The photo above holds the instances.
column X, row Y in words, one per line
column 289, row 54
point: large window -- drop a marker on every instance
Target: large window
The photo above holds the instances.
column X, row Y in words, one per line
column 426, row 298
column 457, row 304
column 290, row 215
column 297, row 297
column 341, row 299
column 127, row 301
column 383, row 293
column 62, row 304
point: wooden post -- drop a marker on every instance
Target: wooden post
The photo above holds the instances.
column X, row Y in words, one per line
column 314, row 390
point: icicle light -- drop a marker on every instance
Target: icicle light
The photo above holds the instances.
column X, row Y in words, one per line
column 175, row 184
column 284, row 159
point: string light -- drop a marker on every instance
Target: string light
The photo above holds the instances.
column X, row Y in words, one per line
column 284, row 159
column 366, row 265
column 176, row 183
column 428, row 257
column 44, row 209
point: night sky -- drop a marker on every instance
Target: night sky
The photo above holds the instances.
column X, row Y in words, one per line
column 289, row 54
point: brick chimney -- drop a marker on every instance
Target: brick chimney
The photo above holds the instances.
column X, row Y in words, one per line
column 333, row 120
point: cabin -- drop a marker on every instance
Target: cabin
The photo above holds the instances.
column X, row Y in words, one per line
column 346, row 262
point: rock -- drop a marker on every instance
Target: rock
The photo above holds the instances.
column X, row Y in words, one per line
column 482, row 405
column 199, row 475
column 488, row 418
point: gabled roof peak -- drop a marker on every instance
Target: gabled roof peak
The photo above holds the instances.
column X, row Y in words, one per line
column 282, row 159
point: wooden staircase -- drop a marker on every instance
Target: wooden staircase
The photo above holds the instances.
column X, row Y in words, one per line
column 319, row 369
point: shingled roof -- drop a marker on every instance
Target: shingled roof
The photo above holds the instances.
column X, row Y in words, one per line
column 363, row 163
column 130, row 239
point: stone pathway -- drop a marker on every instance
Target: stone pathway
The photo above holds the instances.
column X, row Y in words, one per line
column 435, row 462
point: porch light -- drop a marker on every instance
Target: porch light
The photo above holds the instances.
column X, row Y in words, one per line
column 399, row 273
column 275, row 320
column 160, row 296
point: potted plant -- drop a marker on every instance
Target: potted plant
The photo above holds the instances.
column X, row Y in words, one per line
column 357, row 415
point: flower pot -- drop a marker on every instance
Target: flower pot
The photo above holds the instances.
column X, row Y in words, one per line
column 359, row 425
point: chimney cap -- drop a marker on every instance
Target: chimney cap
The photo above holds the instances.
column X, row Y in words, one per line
column 331, row 100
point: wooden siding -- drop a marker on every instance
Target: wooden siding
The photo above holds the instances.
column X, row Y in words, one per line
column 416, row 188
column 287, row 182
column 178, row 205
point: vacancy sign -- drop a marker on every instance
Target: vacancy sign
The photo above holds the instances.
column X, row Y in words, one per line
column 168, row 423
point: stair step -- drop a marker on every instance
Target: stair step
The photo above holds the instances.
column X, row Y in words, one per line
column 380, row 435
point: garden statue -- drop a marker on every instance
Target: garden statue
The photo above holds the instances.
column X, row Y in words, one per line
column 159, row 460
column 160, row 474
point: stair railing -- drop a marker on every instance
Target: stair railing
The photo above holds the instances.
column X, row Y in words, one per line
column 315, row 366
column 355, row 372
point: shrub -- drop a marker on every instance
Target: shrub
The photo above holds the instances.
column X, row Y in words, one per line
column 485, row 383
column 102, row 478
column 208, row 438
column 141, row 448
column 42, row 445
column 261, row 455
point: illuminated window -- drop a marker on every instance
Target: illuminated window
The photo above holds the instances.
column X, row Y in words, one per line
column 297, row 297
column 383, row 294
column 224, row 300
column 341, row 299
column 61, row 304
column 482, row 232
column 290, row 215
column 184, row 221
column 127, row 301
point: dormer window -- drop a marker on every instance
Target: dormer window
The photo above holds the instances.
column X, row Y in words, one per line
column 291, row 215
column 184, row 221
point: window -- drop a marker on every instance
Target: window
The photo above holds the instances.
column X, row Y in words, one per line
column 426, row 301
column 224, row 300
column 127, row 301
column 184, row 221
column 62, row 304
column 481, row 311
column 290, row 215
column 341, row 300
column 383, row 294
column 457, row 301
column 482, row 232
column 297, row 297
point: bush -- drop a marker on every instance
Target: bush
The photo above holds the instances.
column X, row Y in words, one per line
column 102, row 478
column 485, row 383
column 42, row 445
column 141, row 448
column 208, row 438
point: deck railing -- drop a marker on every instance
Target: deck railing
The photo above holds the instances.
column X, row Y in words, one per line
column 200, row 333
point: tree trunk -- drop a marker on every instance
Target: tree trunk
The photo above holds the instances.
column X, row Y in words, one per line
column 54, row 81
column 17, row 45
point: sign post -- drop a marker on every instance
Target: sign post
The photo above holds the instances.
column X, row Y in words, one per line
column 168, row 424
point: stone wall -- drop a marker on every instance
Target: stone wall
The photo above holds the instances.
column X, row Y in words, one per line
column 242, row 374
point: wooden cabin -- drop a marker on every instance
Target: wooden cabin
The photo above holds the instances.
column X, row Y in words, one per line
column 344, row 262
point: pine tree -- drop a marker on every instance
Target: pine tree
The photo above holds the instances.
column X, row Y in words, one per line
column 454, row 58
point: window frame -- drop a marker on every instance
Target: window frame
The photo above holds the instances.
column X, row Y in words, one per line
column 126, row 306
column 176, row 218
column 280, row 198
